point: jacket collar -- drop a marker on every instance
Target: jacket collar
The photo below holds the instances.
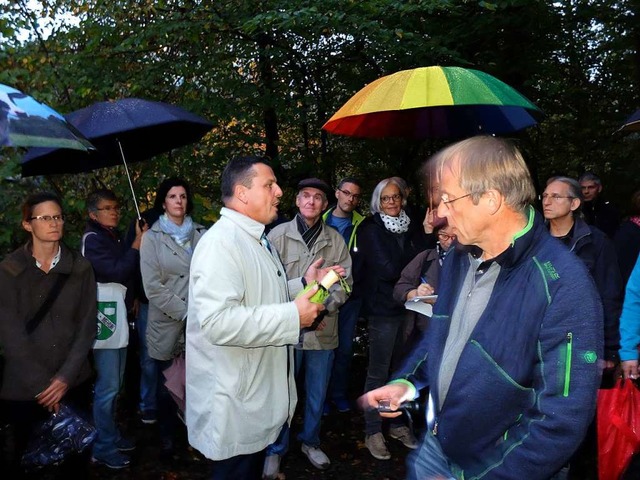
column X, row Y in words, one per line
column 22, row 259
column 249, row 225
column 356, row 217
column 521, row 243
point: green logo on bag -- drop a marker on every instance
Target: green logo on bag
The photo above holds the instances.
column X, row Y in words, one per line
column 107, row 320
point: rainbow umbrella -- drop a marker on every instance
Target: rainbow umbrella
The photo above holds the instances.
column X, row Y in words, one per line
column 434, row 102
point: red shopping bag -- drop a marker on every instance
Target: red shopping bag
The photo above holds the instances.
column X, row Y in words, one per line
column 618, row 428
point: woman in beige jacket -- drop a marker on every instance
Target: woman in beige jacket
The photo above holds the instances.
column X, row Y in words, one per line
column 165, row 256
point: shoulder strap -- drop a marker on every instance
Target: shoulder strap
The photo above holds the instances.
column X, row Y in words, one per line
column 84, row 240
column 46, row 305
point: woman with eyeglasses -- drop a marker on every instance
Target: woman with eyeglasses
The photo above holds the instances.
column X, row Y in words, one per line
column 47, row 328
column 421, row 277
column 165, row 259
column 388, row 240
column 114, row 264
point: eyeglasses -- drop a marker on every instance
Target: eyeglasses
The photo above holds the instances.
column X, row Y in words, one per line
column 48, row 218
column 355, row 196
column 554, row 196
column 391, row 198
column 445, row 236
column 444, row 198
column 109, row 208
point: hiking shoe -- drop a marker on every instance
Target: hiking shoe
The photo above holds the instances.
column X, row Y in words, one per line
column 271, row 467
column 377, row 446
column 149, row 417
column 342, row 404
column 115, row 461
column 316, row 456
column 125, row 445
column 404, row 435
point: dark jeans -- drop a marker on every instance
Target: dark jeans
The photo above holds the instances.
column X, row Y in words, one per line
column 385, row 350
column 22, row 417
column 341, row 373
column 241, row 467
column 167, row 407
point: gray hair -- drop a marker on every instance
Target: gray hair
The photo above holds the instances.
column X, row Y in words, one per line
column 99, row 195
column 485, row 163
column 590, row 177
column 575, row 190
column 377, row 192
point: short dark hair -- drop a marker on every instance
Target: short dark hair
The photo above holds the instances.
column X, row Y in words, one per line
column 239, row 170
column 353, row 180
column 96, row 196
column 36, row 199
column 163, row 190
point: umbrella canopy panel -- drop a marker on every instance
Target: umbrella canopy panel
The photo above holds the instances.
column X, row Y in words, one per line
column 631, row 124
column 434, row 102
column 143, row 128
column 25, row 122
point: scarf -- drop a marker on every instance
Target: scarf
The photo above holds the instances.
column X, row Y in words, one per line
column 399, row 224
column 309, row 234
column 181, row 234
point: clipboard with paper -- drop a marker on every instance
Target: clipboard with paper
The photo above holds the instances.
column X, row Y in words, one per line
column 419, row 304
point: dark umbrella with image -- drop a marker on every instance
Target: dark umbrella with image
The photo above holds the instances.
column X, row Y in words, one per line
column 25, row 122
column 126, row 130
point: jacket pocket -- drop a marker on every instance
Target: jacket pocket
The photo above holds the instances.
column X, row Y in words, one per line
column 565, row 360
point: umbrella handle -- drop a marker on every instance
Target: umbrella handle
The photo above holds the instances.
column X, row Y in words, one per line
column 126, row 169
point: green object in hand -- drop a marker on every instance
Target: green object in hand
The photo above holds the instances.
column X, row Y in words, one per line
column 323, row 287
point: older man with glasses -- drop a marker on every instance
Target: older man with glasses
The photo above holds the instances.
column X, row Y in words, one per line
column 509, row 357
column 301, row 243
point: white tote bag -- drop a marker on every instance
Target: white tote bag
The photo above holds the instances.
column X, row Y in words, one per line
column 113, row 326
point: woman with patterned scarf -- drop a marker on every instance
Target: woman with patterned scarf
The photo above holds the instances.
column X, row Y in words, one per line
column 165, row 256
column 388, row 240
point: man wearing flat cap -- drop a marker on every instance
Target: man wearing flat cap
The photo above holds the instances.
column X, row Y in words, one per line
column 301, row 242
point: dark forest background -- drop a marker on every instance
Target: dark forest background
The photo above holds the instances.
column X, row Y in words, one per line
column 268, row 74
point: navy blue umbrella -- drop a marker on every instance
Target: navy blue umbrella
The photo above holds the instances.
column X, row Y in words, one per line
column 126, row 130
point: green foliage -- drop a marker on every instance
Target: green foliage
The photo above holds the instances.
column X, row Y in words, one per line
column 268, row 74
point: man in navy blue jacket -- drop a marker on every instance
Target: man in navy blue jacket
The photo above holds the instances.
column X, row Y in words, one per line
column 511, row 353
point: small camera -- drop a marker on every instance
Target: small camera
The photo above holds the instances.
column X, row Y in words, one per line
column 412, row 406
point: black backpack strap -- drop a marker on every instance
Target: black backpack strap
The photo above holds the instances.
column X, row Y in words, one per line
column 46, row 305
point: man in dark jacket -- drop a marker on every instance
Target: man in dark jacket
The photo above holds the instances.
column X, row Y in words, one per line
column 597, row 211
column 345, row 219
column 511, row 353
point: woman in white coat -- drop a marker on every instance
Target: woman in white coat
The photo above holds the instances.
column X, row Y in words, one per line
column 165, row 256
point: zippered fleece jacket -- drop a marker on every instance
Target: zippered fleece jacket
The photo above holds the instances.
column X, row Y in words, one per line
column 524, row 390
